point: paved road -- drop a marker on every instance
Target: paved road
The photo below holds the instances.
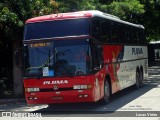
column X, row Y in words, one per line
column 146, row 99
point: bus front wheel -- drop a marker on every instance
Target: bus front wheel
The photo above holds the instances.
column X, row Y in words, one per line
column 107, row 93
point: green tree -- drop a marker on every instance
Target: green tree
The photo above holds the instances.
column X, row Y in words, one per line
column 13, row 14
column 77, row 5
column 126, row 9
column 151, row 18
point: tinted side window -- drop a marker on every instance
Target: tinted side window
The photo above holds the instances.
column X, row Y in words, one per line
column 97, row 56
column 106, row 35
column 110, row 31
column 96, row 29
column 114, row 33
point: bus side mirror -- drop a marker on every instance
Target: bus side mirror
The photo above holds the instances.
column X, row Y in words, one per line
column 96, row 68
column 101, row 64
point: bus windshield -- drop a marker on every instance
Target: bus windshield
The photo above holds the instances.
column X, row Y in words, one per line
column 57, row 58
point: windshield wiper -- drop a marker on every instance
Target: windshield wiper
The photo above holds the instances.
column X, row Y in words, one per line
column 47, row 61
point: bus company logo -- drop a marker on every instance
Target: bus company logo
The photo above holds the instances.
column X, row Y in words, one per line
column 55, row 87
column 55, row 82
column 136, row 51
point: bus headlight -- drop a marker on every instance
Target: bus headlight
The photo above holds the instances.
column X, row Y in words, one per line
column 79, row 87
column 32, row 89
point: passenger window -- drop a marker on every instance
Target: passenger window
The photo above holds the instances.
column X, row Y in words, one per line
column 105, row 31
column 96, row 29
column 97, row 57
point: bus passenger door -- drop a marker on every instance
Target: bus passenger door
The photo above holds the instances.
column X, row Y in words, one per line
column 98, row 70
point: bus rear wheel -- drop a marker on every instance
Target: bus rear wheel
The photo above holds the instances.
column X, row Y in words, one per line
column 107, row 93
column 139, row 79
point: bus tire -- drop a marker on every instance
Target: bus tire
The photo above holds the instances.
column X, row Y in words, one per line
column 107, row 93
column 137, row 85
column 141, row 78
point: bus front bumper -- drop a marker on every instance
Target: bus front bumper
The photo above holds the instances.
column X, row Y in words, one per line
column 60, row 97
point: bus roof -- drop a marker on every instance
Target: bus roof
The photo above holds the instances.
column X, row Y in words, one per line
column 80, row 14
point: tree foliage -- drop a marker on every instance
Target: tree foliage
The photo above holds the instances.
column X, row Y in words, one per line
column 126, row 9
column 151, row 18
column 9, row 20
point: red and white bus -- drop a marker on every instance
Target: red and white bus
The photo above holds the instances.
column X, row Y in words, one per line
column 81, row 56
